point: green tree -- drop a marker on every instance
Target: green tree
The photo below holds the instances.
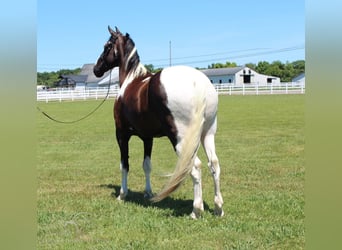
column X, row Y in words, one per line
column 250, row 65
column 221, row 65
column 51, row 78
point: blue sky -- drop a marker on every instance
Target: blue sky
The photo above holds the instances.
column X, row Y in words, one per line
column 72, row 33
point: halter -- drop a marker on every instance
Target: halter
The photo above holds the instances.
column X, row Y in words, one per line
column 84, row 117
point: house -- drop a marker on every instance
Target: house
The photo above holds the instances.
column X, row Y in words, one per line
column 299, row 79
column 87, row 79
column 238, row 76
column 91, row 81
column 71, row 81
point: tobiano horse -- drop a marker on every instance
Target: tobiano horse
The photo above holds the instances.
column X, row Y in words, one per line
column 178, row 102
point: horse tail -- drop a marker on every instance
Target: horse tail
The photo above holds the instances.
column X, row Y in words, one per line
column 189, row 147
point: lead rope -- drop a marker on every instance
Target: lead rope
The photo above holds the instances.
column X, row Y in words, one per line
column 84, row 117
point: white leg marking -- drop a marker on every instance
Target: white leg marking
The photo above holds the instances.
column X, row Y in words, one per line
column 197, row 182
column 214, row 167
column 147, row 169
column 123, row 189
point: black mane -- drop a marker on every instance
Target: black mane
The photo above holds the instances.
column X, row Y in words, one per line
column 134, row 60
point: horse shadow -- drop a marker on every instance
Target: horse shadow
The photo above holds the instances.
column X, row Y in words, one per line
column 178, row 207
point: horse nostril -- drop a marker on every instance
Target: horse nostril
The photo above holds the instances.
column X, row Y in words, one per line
column 97, row 72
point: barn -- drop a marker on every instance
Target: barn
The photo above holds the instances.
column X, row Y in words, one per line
column 238, row 76
column 299, row 79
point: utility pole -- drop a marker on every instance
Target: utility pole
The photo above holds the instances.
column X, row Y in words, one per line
column 170, row 52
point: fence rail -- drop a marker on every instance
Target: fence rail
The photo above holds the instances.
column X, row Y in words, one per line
column 61, row 94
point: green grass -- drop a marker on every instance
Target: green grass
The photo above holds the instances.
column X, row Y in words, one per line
column 260, row 144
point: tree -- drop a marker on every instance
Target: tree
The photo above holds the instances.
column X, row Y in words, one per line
column 221, row 65
column 51, row 78
column 149, row 67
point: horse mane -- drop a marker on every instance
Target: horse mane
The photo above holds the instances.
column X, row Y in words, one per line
column 131, row 54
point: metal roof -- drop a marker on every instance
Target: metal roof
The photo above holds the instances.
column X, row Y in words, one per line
column 222, row 71
column 87, row 69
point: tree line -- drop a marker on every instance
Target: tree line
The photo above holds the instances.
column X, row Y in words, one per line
column 51, row 79
column 285, row 71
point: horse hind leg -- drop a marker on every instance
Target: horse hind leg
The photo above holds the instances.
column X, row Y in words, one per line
column 195, row 173
column 196, row 176
column 208, row 142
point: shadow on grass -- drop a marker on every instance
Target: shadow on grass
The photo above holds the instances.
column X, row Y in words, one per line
column 178, row 207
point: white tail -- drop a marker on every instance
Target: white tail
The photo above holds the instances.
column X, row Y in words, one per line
column 189, row 148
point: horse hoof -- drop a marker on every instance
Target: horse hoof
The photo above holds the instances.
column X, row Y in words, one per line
column 148, row 195
column 219, row 212
column 196, row 213
column 121, row 197
column 194, row 216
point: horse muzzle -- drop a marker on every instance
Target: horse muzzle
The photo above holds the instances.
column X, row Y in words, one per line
column 98, row 72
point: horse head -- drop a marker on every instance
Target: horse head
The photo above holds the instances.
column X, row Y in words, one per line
column 112, row 53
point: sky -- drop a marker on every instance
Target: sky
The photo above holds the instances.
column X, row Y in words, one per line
column 72, row 33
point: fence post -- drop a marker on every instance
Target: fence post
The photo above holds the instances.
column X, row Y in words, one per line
column 243, row 89
column 271, row 88
column 286, row 88
column 257, row 88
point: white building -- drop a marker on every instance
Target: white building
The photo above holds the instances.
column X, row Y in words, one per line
column 299, row 79
column 238, row 76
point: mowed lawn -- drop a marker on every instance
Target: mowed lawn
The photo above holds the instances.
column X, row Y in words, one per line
column 260, row 145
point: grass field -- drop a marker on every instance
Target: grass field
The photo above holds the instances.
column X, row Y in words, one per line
column 260, row 144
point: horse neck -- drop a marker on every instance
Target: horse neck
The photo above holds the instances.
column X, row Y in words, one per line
column 131, row 68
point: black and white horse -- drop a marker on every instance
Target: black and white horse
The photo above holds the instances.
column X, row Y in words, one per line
column 178, row 102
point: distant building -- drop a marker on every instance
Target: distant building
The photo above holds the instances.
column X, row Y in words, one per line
column 71, row 81
column 87, row 79
column 238, row 76
column 235, row 76
column 299, row 79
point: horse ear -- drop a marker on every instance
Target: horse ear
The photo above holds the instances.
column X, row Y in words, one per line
column 112, row 32
column 117, row 30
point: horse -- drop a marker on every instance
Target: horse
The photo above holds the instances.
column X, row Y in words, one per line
column 179, row 102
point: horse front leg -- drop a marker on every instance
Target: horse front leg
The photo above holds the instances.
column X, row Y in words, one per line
column 148, row 142
column 122, row 140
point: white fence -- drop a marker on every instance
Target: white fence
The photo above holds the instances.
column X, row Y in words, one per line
column 223, row 89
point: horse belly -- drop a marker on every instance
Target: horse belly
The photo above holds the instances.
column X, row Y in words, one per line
column 145, row 125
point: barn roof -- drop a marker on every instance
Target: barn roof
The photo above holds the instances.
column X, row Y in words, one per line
column 222, row 71
column 87, row 70
column 75, row 78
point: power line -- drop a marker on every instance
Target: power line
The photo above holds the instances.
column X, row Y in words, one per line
column 181, row 60
column 234, row 57
column 205, row 55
